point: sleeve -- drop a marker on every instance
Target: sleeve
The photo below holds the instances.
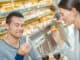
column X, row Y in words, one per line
column 19, row 57
column 34, row 54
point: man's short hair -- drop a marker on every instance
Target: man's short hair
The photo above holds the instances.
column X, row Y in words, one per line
column 10, row 15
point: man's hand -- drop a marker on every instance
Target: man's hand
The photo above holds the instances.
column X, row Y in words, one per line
column 25, row 49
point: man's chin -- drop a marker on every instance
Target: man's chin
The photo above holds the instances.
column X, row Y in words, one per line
column 18, row 36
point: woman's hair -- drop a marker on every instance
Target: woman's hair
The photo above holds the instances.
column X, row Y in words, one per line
column 69, row 4
column 77, row 6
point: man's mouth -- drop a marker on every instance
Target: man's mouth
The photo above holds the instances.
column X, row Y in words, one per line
column 19, row 32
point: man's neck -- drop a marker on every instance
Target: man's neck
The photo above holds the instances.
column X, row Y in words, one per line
column 14, row 42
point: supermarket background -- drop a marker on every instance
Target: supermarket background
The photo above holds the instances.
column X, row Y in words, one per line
column 39, row 23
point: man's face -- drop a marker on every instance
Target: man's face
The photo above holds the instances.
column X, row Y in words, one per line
column 15, row 28
column 67, row 16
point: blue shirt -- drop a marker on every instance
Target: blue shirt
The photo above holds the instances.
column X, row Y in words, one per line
column 7, row 52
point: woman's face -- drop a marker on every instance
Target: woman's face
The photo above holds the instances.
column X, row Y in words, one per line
column 67, row 16
column 71, row 17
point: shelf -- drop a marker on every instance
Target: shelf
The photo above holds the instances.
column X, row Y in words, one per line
column 39, row 29
column 4, row 1
column 38, row 37
column 39, row 41
column 38, row 15
column 3, row 31
column 39, row 5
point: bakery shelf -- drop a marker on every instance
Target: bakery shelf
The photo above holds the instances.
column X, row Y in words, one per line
column 27, row 9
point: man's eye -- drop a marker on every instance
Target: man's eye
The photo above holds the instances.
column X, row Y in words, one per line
column 16, row 25
column 22, row 25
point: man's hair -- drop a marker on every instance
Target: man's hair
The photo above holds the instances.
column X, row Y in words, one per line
column 10, row 15
column 69, row 4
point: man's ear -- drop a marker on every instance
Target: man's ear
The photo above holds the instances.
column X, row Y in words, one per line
column 74, row 11
column 7, row 26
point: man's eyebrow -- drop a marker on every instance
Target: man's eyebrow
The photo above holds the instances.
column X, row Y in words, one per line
column 18, row 23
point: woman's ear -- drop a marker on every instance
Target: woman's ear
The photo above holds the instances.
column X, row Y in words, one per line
column 74, row 11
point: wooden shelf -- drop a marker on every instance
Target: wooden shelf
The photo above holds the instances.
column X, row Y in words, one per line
column 40, row 5
column 5, row 1
column 3, row 31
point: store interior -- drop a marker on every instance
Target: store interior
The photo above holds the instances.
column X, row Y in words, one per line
column 39, row 23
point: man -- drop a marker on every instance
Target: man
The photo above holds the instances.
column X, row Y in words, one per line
column 13, row 46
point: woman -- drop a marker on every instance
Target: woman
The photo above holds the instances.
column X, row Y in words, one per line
column 70, row 14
